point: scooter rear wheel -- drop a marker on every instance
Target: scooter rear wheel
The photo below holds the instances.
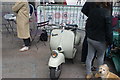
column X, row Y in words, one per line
column 55, row 72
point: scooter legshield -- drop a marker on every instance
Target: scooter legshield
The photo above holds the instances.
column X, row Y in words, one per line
column 55, row 62
column 65, row 40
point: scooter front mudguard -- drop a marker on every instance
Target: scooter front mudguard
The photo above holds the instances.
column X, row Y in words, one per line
column 55, row 62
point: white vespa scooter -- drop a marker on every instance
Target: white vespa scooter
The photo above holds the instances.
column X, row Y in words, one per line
column 63, row 44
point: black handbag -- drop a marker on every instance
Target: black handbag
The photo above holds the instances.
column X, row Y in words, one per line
column 44, row 36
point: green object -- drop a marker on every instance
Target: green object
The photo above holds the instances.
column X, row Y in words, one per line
column 116, row 61
column 116, row 56
column 116, row 38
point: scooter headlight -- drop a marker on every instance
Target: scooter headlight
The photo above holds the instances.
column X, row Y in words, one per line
column 54, row 54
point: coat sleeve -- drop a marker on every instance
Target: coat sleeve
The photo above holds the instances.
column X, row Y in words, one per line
column 17, row 6
column 108, row 29
column 85, row 9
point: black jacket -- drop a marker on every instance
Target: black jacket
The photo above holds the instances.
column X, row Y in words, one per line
column 98, row 25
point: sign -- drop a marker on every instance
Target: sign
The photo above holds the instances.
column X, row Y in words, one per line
column 58, row 14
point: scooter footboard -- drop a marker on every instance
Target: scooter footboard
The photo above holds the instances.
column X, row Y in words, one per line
column 55, row 62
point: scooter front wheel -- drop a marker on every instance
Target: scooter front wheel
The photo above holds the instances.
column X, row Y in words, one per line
column 55, row 72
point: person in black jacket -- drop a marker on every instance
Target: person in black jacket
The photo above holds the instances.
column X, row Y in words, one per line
column 98, row 31
column 85, row 43
column 88, row 7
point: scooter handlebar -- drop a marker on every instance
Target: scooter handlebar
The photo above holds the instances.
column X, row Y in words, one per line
column 72, row 25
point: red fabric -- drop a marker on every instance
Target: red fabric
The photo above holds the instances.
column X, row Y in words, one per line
column 114, row 21
column 64, row 2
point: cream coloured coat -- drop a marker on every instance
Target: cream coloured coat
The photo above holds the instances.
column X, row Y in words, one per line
column 22, row 19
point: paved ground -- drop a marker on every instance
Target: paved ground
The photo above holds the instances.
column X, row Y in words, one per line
column 34, row 63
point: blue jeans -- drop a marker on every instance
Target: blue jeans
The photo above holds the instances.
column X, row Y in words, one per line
column 94, row 46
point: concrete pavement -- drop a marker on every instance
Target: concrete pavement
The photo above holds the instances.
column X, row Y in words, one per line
column 34, row 63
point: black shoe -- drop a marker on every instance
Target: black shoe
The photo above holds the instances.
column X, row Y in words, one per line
column 93, row 68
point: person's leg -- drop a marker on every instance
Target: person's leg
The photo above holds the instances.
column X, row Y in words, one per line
column 84, row 50
column 93, row 59
column 27, row 42
column 101, row 48
column 93, row 67
column 90, row 56
column 27, row 45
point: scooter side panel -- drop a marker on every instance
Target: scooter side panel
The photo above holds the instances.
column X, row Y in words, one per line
column 55, row 62
column 77, row 38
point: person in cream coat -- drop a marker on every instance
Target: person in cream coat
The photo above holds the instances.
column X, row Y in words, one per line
column 21, row 8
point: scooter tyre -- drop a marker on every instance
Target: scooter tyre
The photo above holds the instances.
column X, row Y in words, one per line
column 53, row 73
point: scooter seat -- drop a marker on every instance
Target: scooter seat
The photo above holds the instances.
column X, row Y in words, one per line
column 72, row 25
